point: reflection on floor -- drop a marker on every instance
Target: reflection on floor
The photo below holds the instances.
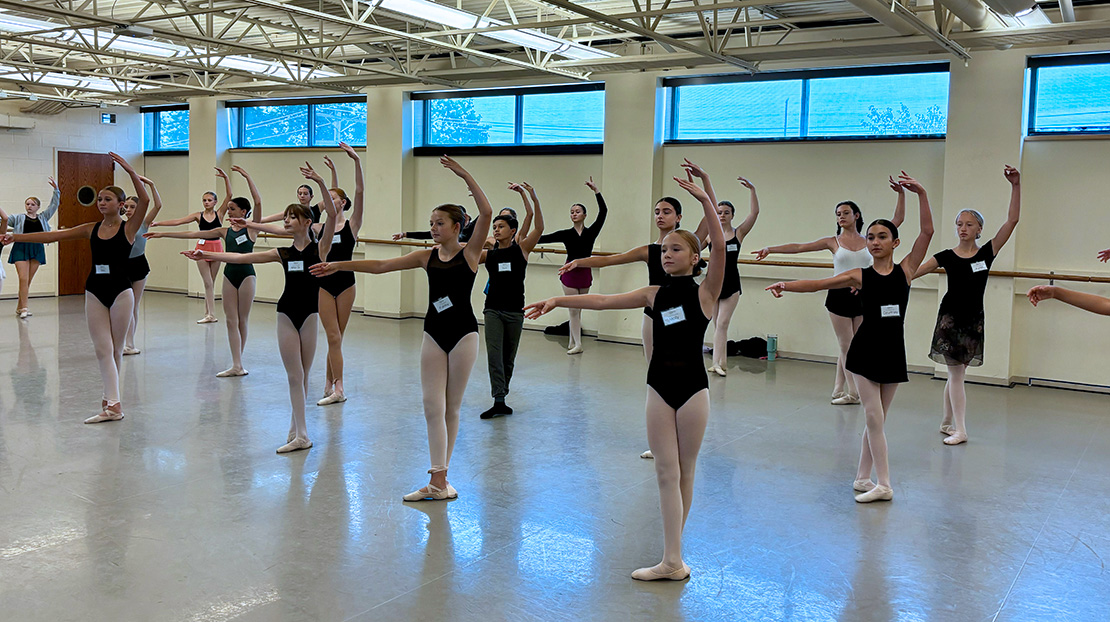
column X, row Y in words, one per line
column 183, row 511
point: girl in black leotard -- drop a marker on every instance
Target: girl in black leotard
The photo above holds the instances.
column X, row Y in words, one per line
column 138, row 268
column 730, row 291
column 337, row 292
column 108, row 296
column 506, row 265
column 297, row 307
column 579, row 243
column 958, row 336
column 210, row 218
column 877, row 355
column 239, row 279
column 450, row 344
column 678, row 394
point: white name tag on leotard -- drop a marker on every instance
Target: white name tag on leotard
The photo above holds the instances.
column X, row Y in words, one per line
column 732, row 247
column 890, row 311
column 336, row 239
column 505, row 267
column 673, row 316
column 296, row 266
column 442, row 304
column 241, row 239
column 102, row 269
column 978, row 266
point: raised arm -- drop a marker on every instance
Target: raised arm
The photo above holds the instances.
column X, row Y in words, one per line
column 326, row 236
column 710, row 288
column 525, row 225
column 900, row 204
column 80, row 232
column 912, row 261
column 753, row 210
column 408, row 261
column 602, row 209
column 824, row 244
column 640, row 253
column 152, row 213
column 55, row 200
column 849, row 278
column 1087, row 302
column 360, row 191
column 643, row 297
column 142, row 198
column 221, row 209
column 1007, row 228
column 485, row 212
column 533, row 236
column 334, row 174
column 256, row 197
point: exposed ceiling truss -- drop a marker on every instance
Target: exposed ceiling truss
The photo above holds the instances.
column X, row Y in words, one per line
column 145, row 51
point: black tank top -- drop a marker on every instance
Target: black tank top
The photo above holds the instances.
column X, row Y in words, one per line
column 506, row 267
column 678, row 330
column 109, row 258
column 449, row 285
column 205, row 225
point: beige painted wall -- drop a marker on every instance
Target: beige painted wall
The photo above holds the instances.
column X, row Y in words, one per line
column 28, row 157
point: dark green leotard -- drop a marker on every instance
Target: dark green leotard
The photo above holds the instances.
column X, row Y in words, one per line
column 238, row 242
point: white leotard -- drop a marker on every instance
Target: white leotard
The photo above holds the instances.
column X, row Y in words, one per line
column 845, row 260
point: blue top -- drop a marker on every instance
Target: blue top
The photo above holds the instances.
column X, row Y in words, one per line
column 16, row 221
column 139, row 247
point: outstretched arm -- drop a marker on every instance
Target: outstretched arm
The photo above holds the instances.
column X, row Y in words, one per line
column 640, row 253
column 912, row 261
column 850, row 278
column 415, row 259
column 900, row 204
column 184, row 220
column 643, row 297
column 356, row 204
column 1007, row 228
column 928, row 266
column 142, row 198
column 80, row 232
column 207, row 234
column 259, row 226
column 753, row 210
column 824, row 244
column 267, row 256
column 1087, row 302
column 153, row 212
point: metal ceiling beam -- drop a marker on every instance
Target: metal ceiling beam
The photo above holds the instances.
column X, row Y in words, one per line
column 660, row 38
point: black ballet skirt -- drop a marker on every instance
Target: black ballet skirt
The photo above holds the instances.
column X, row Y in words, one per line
column 878, row 351
column 958, row 337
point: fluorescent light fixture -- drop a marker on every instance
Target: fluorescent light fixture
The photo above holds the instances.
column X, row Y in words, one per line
column 1024, row 13
column 11, row 23
column 525, row 37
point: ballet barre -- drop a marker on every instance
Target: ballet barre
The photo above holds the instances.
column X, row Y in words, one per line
column 1038, row 276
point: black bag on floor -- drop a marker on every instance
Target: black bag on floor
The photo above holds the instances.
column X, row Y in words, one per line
column 754, row 348
column 558, row 330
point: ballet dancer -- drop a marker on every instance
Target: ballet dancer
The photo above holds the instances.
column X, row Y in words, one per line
column 28, row 256
column 239, row 286
column 108, row 296
column 730, row 290
column 578, row 240
column 450, row 344
column 465, row 232
column 304, row 198
column 1081, row 300
column 207, row 219
column 298, row 305
column 958, row 336
column 677, row 385
column 877, row 355
column 850, row 252
column 137, row 266
column 506, row 265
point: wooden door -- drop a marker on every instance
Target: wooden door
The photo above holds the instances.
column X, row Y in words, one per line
column 80, row 177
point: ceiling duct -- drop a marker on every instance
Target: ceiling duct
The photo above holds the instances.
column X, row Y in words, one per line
column 973, row 13
column 1009, row 7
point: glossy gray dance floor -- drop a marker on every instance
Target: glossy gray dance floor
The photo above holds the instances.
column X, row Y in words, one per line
column 183, row 512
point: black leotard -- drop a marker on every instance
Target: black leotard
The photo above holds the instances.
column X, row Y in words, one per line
column 506, row 268
column 342, row 249
column 579, row 245
column 108, row 277
column 731, row 284
column 205, row 225
column 238, row 242
column 676, row 370
column 300, row 298
column 450, row 316
column 878, row 351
